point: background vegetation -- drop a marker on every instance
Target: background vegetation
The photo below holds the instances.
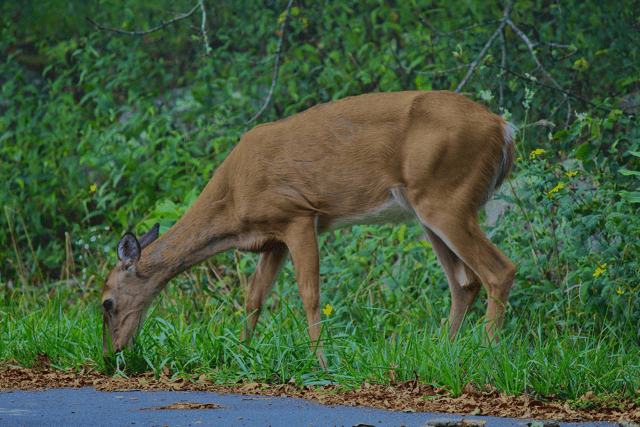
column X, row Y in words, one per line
column 102, row 132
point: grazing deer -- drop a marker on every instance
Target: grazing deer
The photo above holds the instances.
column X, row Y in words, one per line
column 385, row 157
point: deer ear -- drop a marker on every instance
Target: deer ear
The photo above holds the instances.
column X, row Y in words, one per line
column 150, row 236
column 129, row 250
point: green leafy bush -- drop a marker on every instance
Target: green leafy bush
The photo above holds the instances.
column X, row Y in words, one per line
column 575, row 235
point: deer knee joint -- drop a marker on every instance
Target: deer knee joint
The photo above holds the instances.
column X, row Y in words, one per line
column 471, row 286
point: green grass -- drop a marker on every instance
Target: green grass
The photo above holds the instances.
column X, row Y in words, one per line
column 193, row 332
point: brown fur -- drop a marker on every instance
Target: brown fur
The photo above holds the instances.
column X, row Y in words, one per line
column 436, row 156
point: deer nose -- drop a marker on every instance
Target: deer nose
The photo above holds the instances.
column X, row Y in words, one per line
column 108, row 305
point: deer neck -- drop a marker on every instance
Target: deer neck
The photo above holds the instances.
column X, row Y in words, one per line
column 206, row 229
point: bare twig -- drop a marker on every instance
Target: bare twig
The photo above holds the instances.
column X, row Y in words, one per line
column 526, row 41
column 471, row 66
column 475, row 63
column 555, row 110
column 427, row 23
column 203, row 28
column 142, row 33
column 409, row 70
column 566, row 123
column 461, row 30
column 498, row 32
column 449, row 70
column 275, row 69
column 503, row 46
column 562, row 46
column 567, row 94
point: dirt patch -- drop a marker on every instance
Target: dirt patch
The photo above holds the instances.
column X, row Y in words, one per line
column 407, row 396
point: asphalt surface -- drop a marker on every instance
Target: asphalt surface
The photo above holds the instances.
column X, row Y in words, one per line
column 87, row 407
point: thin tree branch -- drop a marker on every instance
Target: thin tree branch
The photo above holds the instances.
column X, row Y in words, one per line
column 275, row 69
column 562, row 46
column 203, row 28
column 461, row 30
column 568, row 94
column 530, row 47
column 503, row 47
column 555, row 110
column 475, row 63
column 472, row 65
column 427, row 23
column 142, row 33
column 409, row 70
column 448, row 70
column 556, row 86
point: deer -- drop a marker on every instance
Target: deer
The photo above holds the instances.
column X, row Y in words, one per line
column 432, row 156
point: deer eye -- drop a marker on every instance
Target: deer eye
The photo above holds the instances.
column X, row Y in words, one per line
column 107, row 305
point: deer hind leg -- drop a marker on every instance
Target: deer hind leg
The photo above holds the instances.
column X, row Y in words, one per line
column 463, row 282
column 303, row 243
column 269, row 266
column 458, row 229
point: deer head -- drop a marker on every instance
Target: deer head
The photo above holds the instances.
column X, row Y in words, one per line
column 126, row 294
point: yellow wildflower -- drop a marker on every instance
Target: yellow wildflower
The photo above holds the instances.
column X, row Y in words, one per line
column 555, row 190
column 536, row 152
column 94, row 187
column 620, row 291
column 600, row 270
column 571, row 174
column 327, row 310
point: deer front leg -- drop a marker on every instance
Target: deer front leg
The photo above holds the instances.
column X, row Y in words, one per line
column 303, row 244
column 269, row 266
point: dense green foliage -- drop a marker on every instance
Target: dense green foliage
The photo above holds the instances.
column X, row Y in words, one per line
column 103, row 132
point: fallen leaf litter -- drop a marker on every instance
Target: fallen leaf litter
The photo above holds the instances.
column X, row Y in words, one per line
column 407, row 396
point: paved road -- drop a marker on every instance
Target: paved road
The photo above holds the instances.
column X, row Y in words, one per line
column 87, row 407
